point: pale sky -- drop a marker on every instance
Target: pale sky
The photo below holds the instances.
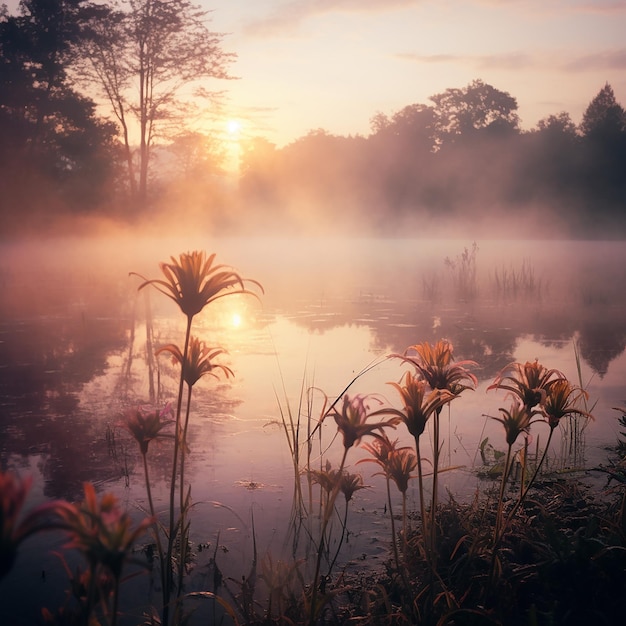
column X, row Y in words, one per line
column 333, row 64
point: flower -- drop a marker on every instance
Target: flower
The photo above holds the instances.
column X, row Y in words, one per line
column 14, row 529
column 352, row 419
column 399, row 467
column 381, row 449
column 437, row 366
column 561, row 401
column 327, row 478
column 418, row 405
column 199, row 360
column 515, row 421
column 100, row 530
column 146, row 424
column 396, row 462
column 530, row 382
column 349, row 484
column 192, row 281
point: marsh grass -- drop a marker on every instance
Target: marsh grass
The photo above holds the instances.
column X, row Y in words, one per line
column 521, row 282
column 464, row 271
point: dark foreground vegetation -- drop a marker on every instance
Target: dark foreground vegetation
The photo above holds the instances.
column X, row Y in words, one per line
column 533, row 548
column 462, row 157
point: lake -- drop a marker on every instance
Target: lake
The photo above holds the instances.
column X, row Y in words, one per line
column 75, row 335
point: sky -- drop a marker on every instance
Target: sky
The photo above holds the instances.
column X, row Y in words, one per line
column 304, row 65
column 333, row 64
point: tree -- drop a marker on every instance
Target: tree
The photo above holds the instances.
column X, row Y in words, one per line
column 478, row 106
column 604, row 156
column 403, row 147
column 149, row 58
column 604, row 116
column 197, row 155
column 50, row 132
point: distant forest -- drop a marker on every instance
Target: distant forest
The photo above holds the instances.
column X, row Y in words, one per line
column 99, row 105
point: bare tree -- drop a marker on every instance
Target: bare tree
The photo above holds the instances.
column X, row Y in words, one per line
column 151, row 59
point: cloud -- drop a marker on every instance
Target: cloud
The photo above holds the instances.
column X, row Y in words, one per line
column 607, row 60
column 603, row 6
column 509, row 61
column 289, row 15
column 598, row 61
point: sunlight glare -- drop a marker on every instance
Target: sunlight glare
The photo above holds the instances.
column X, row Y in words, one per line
column 236, row 320
column 233, row 127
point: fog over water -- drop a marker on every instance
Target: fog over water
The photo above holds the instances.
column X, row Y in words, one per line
column 73, row 355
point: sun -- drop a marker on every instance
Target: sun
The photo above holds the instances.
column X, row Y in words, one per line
column 233, row 127
column 236, row 320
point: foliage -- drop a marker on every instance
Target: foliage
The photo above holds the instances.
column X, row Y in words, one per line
column 478, row 106
column 53, row 141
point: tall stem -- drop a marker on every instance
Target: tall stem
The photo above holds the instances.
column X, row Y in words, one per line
column 524, row 493
column 183, row 504
column 435, row 495
column 505, row 475
column 157, row 535
column 498, row 530
column 344, row 525
column 320, row 549
column 420, row 478
column 167, row 588
column 393, row 527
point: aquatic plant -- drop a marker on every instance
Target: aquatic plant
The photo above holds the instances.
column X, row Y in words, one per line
column 105, row 536
column 352, row 420
column 16, row 527
column 464, row 275
column 397, row 463
column 529, row 381
column 516, row 421
column 146, row 424
column 435, row 364
column 541, row 394
column 420, row 403
column 192, row 281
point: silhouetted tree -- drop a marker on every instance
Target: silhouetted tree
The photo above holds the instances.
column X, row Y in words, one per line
column 548, row 167
column 478, row 106
column 150, row 58
column 403, row 147
column 604, row 162
column 603, row 117
column 50, row 132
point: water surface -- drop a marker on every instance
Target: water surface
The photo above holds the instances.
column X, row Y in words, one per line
column 73, row 357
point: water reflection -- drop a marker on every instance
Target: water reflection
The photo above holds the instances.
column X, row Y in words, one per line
column 74, row 334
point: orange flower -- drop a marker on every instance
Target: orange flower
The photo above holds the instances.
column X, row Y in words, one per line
column 192, row 281
column 562, row 400
column 352, row 419
column 14, row 528
column 199, row 360
column 146, row 424
column 100, row 530
column 516, row 421
column 418, row 404
column 396, row 462
column 436, row 364
column 530, row 382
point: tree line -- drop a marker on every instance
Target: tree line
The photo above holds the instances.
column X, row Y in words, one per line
column 99, row 110
column 462, row 157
